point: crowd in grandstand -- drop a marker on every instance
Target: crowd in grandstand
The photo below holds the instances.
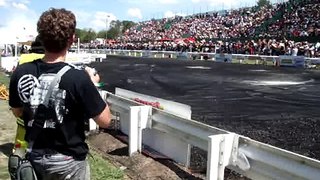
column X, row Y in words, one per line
column 288, row 28
column 299, row 19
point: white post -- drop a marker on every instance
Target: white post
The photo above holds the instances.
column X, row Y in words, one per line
column 6, row 49
column 107, row 20
column 78, row 45
column 221, row 149
column 139, row 120
column 16, row 50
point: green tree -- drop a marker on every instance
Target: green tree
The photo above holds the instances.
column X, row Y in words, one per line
column 113, row 33
column 127, row 25
column 102, row 34
column 262, row 3
column 89, row 35
column 80, row 33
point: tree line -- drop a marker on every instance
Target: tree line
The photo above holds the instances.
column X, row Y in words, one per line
column 116, row 29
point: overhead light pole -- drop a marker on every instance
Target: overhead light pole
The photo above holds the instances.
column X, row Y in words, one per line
column 107, row 20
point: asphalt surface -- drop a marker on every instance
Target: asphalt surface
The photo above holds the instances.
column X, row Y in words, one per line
column 278, row 106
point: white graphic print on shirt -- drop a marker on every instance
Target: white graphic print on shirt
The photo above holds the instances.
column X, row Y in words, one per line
column 37, row 96
column 26, row 85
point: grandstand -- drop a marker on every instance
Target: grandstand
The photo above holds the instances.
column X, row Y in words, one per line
column 287, row 28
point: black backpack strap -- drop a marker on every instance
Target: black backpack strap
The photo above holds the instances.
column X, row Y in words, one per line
column 53, row 83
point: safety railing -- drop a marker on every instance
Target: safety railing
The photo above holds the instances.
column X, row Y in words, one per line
column 173, row 135
column 235, row 58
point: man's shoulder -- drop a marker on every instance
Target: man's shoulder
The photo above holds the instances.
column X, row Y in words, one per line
column 76, row 71
column 76, row 75
column 26, row 67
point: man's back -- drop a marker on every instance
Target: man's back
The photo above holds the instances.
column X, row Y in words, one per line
column 55, row 124
column 69, row 99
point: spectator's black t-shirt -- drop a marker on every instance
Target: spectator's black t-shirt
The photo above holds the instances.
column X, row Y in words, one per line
column 75, row 99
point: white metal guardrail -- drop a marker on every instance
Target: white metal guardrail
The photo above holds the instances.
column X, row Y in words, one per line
column 173, row 135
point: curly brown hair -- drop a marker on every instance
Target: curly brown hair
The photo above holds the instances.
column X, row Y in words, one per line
column 55, row 28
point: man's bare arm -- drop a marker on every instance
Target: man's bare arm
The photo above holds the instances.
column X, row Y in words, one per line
column 104, row 118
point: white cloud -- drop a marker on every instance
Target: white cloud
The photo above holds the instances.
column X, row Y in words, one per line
column 83, row 17
column 95, row 20
column 20, row 6
column 18, row 25
column 3, row 3
column 102, row 20
column 169, row 14
column 135, row 12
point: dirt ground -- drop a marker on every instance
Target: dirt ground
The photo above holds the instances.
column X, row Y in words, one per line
column 139, row 166
column 7, row 133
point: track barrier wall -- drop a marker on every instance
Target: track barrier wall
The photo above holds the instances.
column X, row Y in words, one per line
column 172, row 134
column 229, row 58
column 90, row 55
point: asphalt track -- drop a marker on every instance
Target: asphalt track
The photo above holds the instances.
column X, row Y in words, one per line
column 278, row 106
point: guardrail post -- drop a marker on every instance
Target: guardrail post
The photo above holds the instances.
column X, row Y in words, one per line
column 139, row 120
column 221, row 153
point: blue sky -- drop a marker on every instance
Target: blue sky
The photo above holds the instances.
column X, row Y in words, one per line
column 19, row 17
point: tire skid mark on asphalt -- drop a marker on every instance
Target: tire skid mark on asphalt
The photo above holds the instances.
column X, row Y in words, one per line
column 289, row 102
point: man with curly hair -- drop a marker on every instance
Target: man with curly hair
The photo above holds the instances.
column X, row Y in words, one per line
column 54, row 109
